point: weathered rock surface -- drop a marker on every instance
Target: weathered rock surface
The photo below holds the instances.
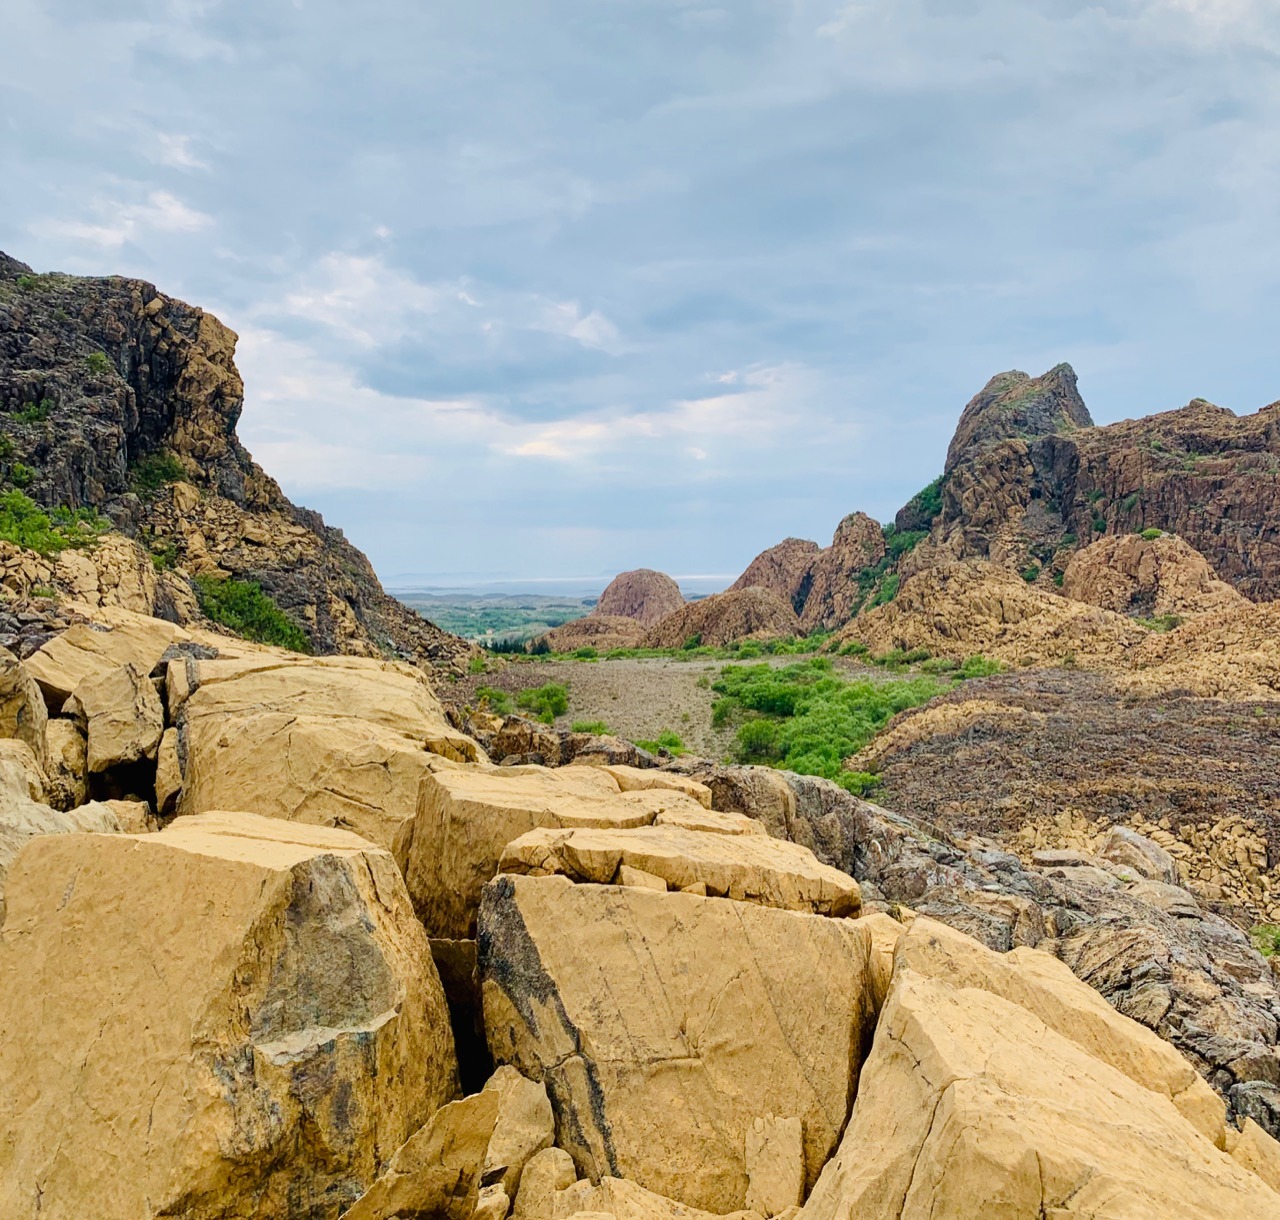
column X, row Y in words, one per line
column 234, row 1018
column 834, row 593
column 643, row 595
column 22, row 709
column 746, row 868
column 121, row 714
column 66, row 764
column 663, row 1025
column 786, row 569
column 723, row 618
column 624, row 1200
column 121, row 375
column 639, row 779
column 971, row 1106
column 599, row 631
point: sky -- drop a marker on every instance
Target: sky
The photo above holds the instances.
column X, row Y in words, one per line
column 550, row 288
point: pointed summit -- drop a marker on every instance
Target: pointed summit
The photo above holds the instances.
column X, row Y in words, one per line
column 1014, row 405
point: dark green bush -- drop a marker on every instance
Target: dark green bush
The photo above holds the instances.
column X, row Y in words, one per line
column 21, row 475
column 98, row 363
column 244, row 608
column 33, row 412
column 1151, row 535
column 545, row 703
column 585, row 654
column 24, row 522
column 666, row 740
column 153, row 471
column 1129, row 503
column 979, row 667
column 1031, row 574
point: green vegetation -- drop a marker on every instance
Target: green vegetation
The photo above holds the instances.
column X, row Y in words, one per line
column 1095, row 495
column 1031, row 574
column 666, row 740
column 927, row 502
column 25, row 523
column 1151, row 535
column 28, row 282
column 897, row 658
column 597, row 728
column 1266, row 938
column 880, row 577
column 1129, row 503
column 164, row 554
column 496, row 701
column 477, row 665
column 807, row 718
column 887, row 591
column 500, row 622
column 98, row 363
column 21, row 475
column 1099, row 523
column 1059, row 578
column 242, row 606
column 48, row 592
column 544, row 702
column 585, row 654
column 153, row 471
column 6, row 446
column 33, row 412
column 1162, row 622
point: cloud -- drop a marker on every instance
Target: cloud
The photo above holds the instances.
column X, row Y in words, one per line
column 175, row 151
column 118, row 223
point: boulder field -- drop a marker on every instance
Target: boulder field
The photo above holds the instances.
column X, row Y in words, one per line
column 280, row 939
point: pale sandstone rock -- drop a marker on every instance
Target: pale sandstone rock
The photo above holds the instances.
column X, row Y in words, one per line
column 1131, row 850
column 625, row 1200
column 168, row 772
column 1046, row 988
column 631, row 779
column 492, row 1203
column 233, row 1018
column 711, row 821
column 66, row 764
column 132, row 817
column 1253, row 1148
column 748, row 868
column 664, row 1024
column 775, row 1164
column 885, row 932
column 757, row 792
column 122, row 716
column 547, row 1173
column 971, row 1107
column 22, row 710
column 466, row 818
column 626, row 875
column 485, row 1140
column 436, row 1172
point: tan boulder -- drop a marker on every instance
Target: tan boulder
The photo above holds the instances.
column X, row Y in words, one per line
column 710, row 821
column 168, row 772
column 885, row 932
column 22, row 710
column 232, row 1018
column 1140, row 855
column 466, row 818
column 1257, row 1151
column 747, row 868
column 775, row 1165
column 482, row 1142
column 546, row 1174
column 66, row 764
column 663, row 1025
column 625, row 1200
column 121, row 714
column 632, row 779
column 971, row 1107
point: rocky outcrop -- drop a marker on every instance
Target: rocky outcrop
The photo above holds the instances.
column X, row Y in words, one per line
column 726, row 618
column 786, row 569
column 643, row 595
column 599, row 631
column 646, row 1061
column 259, row 1054
column 121, row 399
column 1153, row 577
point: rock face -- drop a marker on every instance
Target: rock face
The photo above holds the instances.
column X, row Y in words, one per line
column 1149, row 576
column 724, row 618
column 656, row 1071
column 971, row 1106
column 643, row 595
column 786, row 569
column 269, row 991
column 22, row 709
column 104, row 378
column 599, row 631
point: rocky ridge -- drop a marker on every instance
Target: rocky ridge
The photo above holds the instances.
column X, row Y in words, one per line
column 119, row 399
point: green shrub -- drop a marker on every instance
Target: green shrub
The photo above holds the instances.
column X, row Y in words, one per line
column 887, row 592
column 585, row 654
column 28, row 282
column 545, row 703
column 597, row 728
column 979, row 666
column 25, row 523
column 47, row 592
column 1151, row 535
column 1129, row 503
column 497, row 701
column 21, row 475
column 1059, row 578
column 694, row 641
column 98, row 363
column 1031, row 574
column 1162, row 622
column 854, row 648
column 860, row 783
column 927, row 502
column 477, row 665
column 33, row 412
column 164, row 554
column 1266, row 938
column 1095, row 495
column 666, row 740
column 6, row 446
column 244, row 608
column 153, row 471
column 1099, row 523
column 807, row 718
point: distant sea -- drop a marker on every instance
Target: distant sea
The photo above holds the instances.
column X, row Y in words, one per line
column 407, row 587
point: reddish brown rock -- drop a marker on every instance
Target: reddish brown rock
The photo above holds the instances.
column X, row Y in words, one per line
column 643, row 595
column 725, row 618
column 786, row 569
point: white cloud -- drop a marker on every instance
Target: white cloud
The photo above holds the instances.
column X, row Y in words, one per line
column 175, row 150
column 118, row 223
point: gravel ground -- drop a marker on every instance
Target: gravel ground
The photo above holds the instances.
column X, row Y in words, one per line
column 636, row 698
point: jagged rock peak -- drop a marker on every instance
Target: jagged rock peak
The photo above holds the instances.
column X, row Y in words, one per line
column 1014, row 405
column 643, row 595
column 10, row 268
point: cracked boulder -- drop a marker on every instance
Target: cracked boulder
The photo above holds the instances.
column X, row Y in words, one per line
column 748, row 868
column 121, row 714
column 330, row 741
column 664, row 1024
column 22, row 710
column 233, row 1018
column 970, row 1106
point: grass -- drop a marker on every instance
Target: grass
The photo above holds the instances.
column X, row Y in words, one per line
column 496, row 701
column 24, row 523
column 666, row 740
column 477, row 665
column 153, row 471
column 1161, row 622
column 807, row 718
column 597, row 728
column 545, row 703
column 1266, row 938
column 33, row 412
column 242, row 606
